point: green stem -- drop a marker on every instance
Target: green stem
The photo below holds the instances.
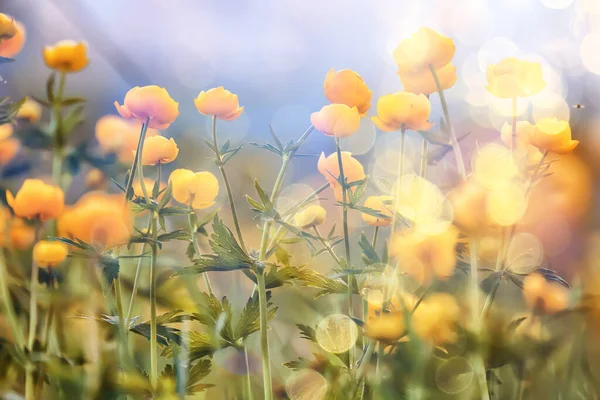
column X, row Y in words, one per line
column 118, row 297
column 375, row 234
column 35, row 271
column 8, row 305
column 248, row 379
column 400, row 172
column 137, row 275
column 196, row 245
column 153, row 343
column 327, row 246
column 453, row 140
column 424, row 152
column 342, row 179
column 366, row 359
column 264, row 338
column 136, row 160
column 227, row 184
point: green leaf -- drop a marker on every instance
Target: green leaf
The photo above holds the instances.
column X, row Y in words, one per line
column 199, row 371
column 71, row 101
column 174, row 210
column 72, row 119
column 267, row 147
column 110, row 270
column 275, row 138
column 179, row 234
column 269, row 210
column 369, row 254
column 308, row 333
column 250, row 318
column 4, row 60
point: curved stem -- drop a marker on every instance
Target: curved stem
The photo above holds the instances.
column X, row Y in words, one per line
column 227, row 184
column 137, row 275
column 453, row 140
column 197, row 250
column 136, row 161
column 342, row 179
column 153, row 343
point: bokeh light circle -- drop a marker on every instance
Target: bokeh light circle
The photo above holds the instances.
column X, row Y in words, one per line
column 362, row 140
column 380, row 287
column 590, row 56
column 454, row 375
column 493, row 165
column 294, row 194
column 306, row 384
column 336, row 333
column 525, row 253
column 506, row 203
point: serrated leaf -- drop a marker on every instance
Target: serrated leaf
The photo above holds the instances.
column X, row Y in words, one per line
column 250, row 317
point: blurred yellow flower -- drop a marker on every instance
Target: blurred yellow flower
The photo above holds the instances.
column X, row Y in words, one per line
column 330, row 169
column 66, row 56
column 159, row 149
column 21, row 234
column 13, row 46
column 95, row 179
column 152, row 102
column 347, row 87
column 336, row 120
column 311, row 216
column 37, row 200
column 6, row 131
column 524, row 131
column 30, row 111
column 49, row 253
column 469, row 201
column 378, row 203
column 512, row 77
column 219, row 102
column 9, row 148
column 117, row 135
column 7, row 27
column 551, row 134
column 403, row 109
column 424, row 48
column 425, row 255
column 199, row 188
column 435, row 319
column 389, row 327
column 544, row 296
column 488, row 248
column 422, row 82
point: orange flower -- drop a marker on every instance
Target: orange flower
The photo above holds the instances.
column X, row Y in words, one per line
column 9, row 148
column 512, row 77
column 424, row 48
column 200, row 188
column 347, row 87
column 7, row 27
column 336, row 120
column 550, row 134
column 330, row 169
column 424, row 255
column 158, row 149
column 95, row 179
column 37, row 200
column 524, row 132
column 469, row 201
column 403, row 109
column 21, row 234
column 117, row 135
column 66, row 56
column 49, row 253
column 422, row 82
column 219, row 102
column 6, row 131
column 378, row 203
column 544, row 296
column 30, row 111
column 13, row 46
column 435, row 319
column 150, row 102
column 311, row 216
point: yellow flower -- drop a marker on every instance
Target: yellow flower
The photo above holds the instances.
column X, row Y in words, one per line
column 199, row 188
column 544, row 296
column 424, row 48
column 6, row 131
column 66, row 56
column 402, row 109
column 524, row 131
column 422, row 82
column 37, row 200
column 95, row 179
column 469, row 202
column 7, row 27
column 347, row 87
column 159, row 149
column 151, row 102
column 330, row 169
column 117, row 135
column 21, row 234
column 30, row 111
column 424, row 255
column 13, row 46
column 49, row 253
column 512, row 77
column 311, row 216
column 336, row 120
column 550, row 134
column 9, row 148
column 378, row 203
column 435, row 319
column 488, row 248
column 389, row 327
column 218, row 102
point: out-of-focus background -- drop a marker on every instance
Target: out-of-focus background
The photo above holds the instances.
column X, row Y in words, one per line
column 274, row 54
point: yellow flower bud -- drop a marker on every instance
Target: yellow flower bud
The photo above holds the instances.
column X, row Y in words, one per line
column 424, row 48
column 30, row 111
column 159, row 149
column 49, row 253
column 311, row 216
column 219, row 102
column 7, row 27
column 422, row 82
column 37, row 200
column 13, row 46
column 347, row 87
column 151, row 102
column 512, row 77
column 66, row 56
column 200, row 188
column 336, row 120
column 550, row 134
column 402, row 109
column 330, row 169
column 378, row 203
